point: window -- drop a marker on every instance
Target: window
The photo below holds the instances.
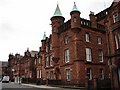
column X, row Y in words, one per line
column 47, row 75
column 51, row 46
column 99, row 40
column 46, row 48
column 88, row 73
column 40, row 74
column 119, row 36
column 115, row 18
column 101, row 73
column 66, row 39
column 68, row 74
column 87, row 37
column 30, row 75
column 47, row 61
column 88, row 55
column 67, row 55
column 37, row 74
column 51, row 61
column 39, row 59
column 116, row 41
column 51, row 75
column 100, row 55
column 74, row 20
column 35, row 62
column 119, row 73
column 54, row 29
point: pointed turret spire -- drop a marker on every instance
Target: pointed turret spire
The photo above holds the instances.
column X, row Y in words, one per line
column 57, row 11
column 44, row 36
column 74, row 9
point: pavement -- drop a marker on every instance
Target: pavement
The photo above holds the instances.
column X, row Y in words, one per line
column 53, row 87
column 38, row 86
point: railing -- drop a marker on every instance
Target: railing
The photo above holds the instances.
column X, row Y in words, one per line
column 85, row 22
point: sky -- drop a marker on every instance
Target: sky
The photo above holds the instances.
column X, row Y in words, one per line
column 23, row 22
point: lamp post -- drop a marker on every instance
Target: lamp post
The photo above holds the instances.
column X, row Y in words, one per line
column 13, row 73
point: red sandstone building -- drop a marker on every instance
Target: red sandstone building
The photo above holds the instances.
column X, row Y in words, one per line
column 75, row 50
column 78, row 49
column 83, row 48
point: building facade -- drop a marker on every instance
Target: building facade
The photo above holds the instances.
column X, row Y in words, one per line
column 77, row 51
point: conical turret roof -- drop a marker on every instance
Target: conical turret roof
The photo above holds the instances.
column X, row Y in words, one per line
column 44, row 36
column 57, row 11
column 75, row 8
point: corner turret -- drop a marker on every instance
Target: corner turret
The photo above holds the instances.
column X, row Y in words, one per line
column 75, row 19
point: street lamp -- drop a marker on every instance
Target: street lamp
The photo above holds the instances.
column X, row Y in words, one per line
column 13, row 73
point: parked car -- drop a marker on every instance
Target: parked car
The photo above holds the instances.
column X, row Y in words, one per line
column 5, row 79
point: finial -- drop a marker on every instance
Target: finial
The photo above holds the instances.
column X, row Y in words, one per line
column 74, row 3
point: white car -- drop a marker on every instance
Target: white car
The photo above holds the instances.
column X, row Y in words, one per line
column 6, row 79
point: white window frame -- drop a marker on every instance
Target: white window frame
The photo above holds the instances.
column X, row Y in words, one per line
column 116, row 42
column 101, row 73
column 46, row 48
column 50, row 46
column 67, row 56
column 54, row 29
column 40, row 74
column 47, row 75
column 68, row 74
column 37, row 73
column 100, row 52
column 119, row 73
column 66, row 40
column 115, row 17
column 39, row 59
column 88, row 54
column 99, row 40
column 51, row 75
column 119, row 37
column 35, row 61
column 87, row 37
column 51, row 61
column 74, row 19
column 89, row 73
column 47, row 61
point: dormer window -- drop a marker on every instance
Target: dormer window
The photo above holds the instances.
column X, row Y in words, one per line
column 115, row 18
